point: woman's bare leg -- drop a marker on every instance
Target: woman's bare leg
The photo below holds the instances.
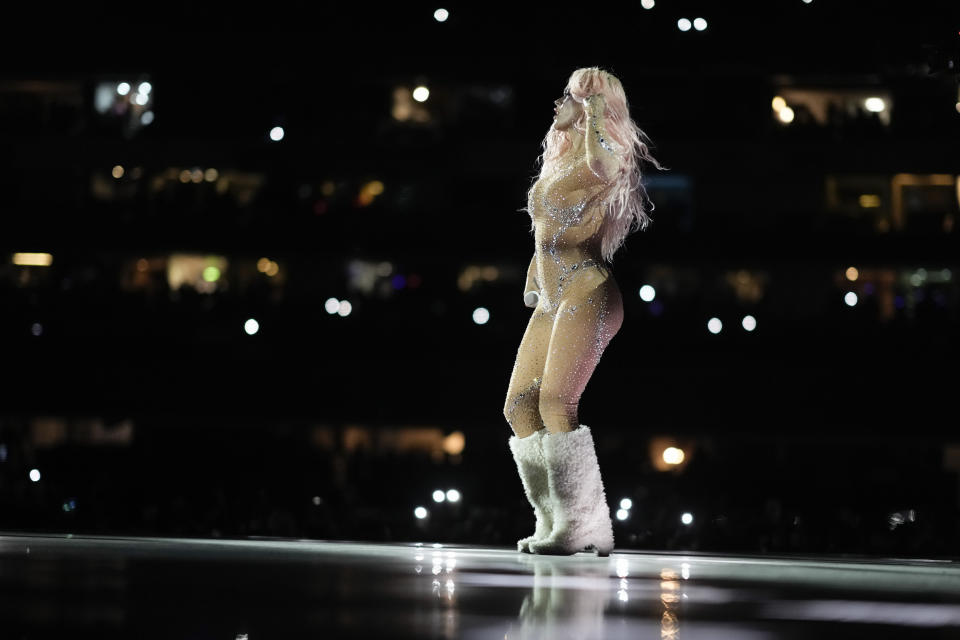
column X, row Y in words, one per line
column 583, row 327
column 522, row 407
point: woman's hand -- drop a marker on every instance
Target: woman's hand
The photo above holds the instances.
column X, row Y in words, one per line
column 531, row 288
column 601, row 155
column 595, row 105
column 531, row 298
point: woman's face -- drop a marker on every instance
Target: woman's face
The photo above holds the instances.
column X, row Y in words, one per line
column 567, row 111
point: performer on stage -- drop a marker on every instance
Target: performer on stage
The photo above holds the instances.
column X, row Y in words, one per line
column 582, row 206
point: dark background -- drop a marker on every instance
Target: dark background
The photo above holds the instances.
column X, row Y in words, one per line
column 147, row 408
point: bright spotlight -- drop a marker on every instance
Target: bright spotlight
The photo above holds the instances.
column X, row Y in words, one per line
column 481, row 315
column 251, row 326
column 785, row 115
column 276, row 134
column 421, row 93
column 123, row 88
column 453, row 495
column 622, row 514
column 626, row 503
column 647, row 4
column 144, row 88
column 438, row 495
column 686, row 518
column 647, row 293
column 749, row 323
column 850, row 298
column 35, row 475
column 420, row 512
column 714, row 325
column 683, row 24
column 441, row 15
column 673, row 455
column 875, row 105
column 699, row 24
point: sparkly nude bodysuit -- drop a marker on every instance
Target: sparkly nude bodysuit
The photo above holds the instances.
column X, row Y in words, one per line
column 580, row 307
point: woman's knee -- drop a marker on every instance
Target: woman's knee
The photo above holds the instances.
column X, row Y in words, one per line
column 516, row 404
column 557, row 404
column 523, row 404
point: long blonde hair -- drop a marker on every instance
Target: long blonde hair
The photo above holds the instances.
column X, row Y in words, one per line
column 623, row 200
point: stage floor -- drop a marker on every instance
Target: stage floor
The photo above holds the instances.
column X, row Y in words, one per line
column 257, row 588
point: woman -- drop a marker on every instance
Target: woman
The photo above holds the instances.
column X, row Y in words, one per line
column 582, row 206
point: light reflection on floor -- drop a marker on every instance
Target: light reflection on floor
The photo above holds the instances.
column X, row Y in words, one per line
column 269, row 588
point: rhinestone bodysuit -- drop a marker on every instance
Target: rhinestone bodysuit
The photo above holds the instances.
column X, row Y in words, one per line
column 580, row 308
column 566, row 213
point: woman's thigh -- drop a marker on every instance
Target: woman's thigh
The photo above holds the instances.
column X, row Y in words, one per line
column 584, row 325
column 523, row 390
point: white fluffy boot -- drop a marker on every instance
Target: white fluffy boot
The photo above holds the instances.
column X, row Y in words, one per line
column 581, row 516
column 528, row 455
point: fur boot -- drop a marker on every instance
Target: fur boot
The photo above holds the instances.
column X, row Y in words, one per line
column 581, row 516
column 528, row 455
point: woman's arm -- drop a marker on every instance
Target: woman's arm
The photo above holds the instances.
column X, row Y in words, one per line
column 601, row 157
column 531, row 289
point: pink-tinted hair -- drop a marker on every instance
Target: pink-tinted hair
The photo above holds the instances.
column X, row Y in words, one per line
column 623, row 204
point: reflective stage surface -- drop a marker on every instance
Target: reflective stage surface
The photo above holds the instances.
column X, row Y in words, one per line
column 135, row 587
